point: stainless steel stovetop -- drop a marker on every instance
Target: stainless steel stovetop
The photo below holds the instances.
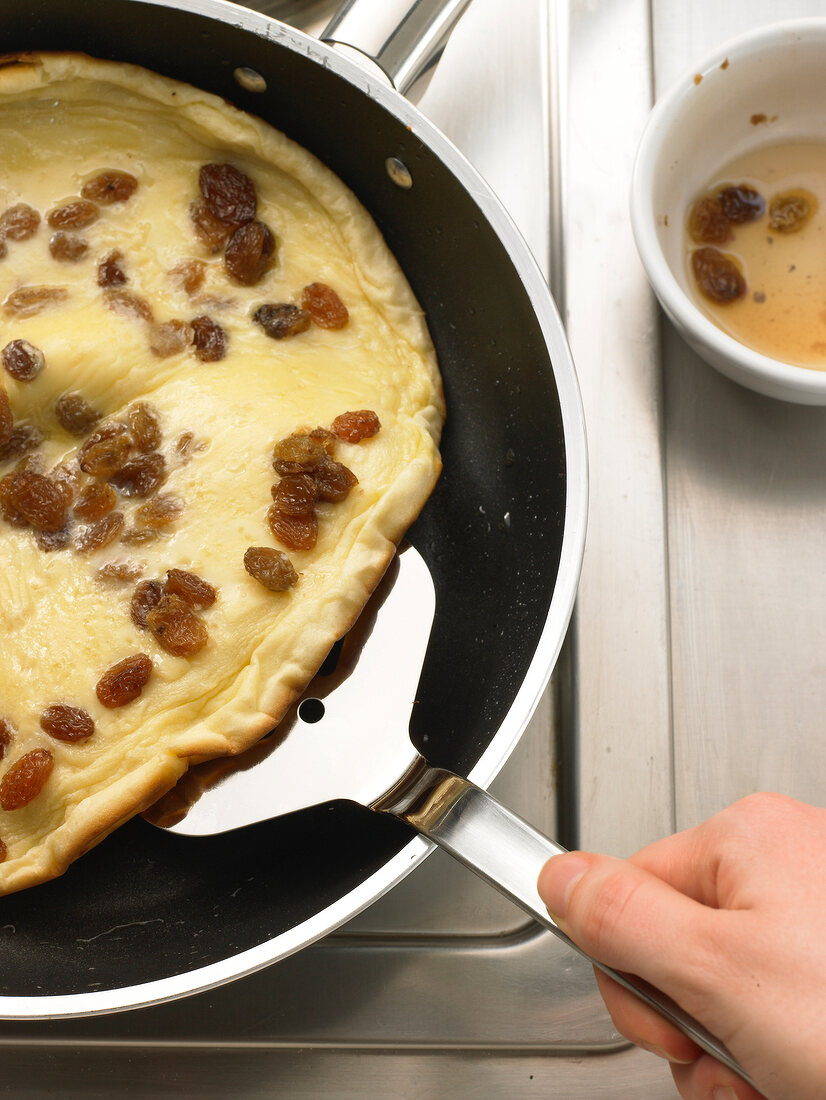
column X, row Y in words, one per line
column 693, row 669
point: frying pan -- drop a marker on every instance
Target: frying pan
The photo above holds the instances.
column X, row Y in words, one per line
column 502, row 535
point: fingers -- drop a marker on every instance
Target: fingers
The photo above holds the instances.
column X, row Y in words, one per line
column 631, row 920
column 706, row 1079
column 643, row 1026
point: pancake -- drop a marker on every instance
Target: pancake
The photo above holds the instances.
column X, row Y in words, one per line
column 219, row 412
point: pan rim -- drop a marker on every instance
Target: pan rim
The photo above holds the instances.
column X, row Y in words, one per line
column 502, row 743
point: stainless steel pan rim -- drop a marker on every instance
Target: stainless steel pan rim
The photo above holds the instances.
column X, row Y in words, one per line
column 553, row 633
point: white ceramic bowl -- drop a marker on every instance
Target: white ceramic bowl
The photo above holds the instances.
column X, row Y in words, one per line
column 692, row 132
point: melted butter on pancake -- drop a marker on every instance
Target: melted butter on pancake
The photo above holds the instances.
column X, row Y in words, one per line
column 64, row 119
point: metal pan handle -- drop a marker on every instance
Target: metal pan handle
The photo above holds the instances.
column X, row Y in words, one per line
column 402, row 37
column 508, row 853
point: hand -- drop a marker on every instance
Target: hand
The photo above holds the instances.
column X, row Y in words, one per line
column 728, row 919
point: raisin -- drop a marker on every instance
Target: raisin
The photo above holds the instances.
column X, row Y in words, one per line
column 269, row 567
column 27, row 301
column 66, row 723
column 73, row 215
column 295, row 494
column 741, row 203
column 717, row 275
column 67, row 477
column 190, row 587
column 208, row 339
column 333, row 480
column 295, row 532
column 162, row 511
column 128, row 304
column 19, row 222
column 123, row 682
column 324, row 306
column 6, row 419
column 3, row 248
column 74, row 414
column 7, row 732
column 25, row 779
column 36, row 498
column 147, row 595
column 297, row 454
column 139, row 536
column 144, row 426
column 140, row 476
column 100, row 534
column 228, row 193
column 68, row 247
column 189, row 275
column 169, row 338
column 110, row 272
column 23, row 439
column 96, row 501
column 326, row 438
column 184, row 445
column 249, row 253
column 176, row 627
column 282, row 319
column 707, row 224
column 110, row 187
column 48, row 541
column 106, row 452
column 352, row 427
column 789, row 212
column 119, row 571
column 209, row 230
column 23, row 360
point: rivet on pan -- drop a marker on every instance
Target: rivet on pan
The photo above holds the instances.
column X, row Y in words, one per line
column 249, row 79
column 399, row 173
column 311, row 711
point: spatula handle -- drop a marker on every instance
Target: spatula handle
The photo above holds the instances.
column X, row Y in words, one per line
column 508, row 853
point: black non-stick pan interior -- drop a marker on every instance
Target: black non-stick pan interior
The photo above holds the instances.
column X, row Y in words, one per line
column 491, row 534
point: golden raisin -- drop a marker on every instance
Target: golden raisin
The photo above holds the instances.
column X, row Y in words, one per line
column 27, row 301
column 73, row 215
column 270, row 567
column 119, row 571
column 209, row 339
column 110, row 271
column 3, row 851
column 190, row 587
column 68, row 247
column 789, row 212
column 352, row 427
column 23, row 360
column 717, row 275
column 282, row 319
column 25, row 779
column 110, row 187
column 324, row 306
column 295, row 532
column 100, row 534
column 169, row 338
column 176, row 627
column 128, row 304
column 249, row 253
column 298, row 454
column 123, row 682
column 105, row 452
column 228, row 192
column 7, row 731
column 6, row 419
column 147, row 595
column 19, row 222
column 707, row 224
column 74, row 414
column 140, row 476
column 162, row 511
column 96, row 501
column 144, row 427
column 23, row 439
column 47, row 541
column 295, row 494
column 334, row 480
column 213, row 233
column 36, row 498
column 66, row 723
column 189, row 275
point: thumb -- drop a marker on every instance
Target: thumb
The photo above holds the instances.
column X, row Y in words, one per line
column 633, row 921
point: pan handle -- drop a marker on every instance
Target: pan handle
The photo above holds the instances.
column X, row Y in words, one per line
column 508, row 853
column 402, row 37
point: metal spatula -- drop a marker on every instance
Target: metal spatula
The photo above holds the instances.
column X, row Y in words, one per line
column 334, row 746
